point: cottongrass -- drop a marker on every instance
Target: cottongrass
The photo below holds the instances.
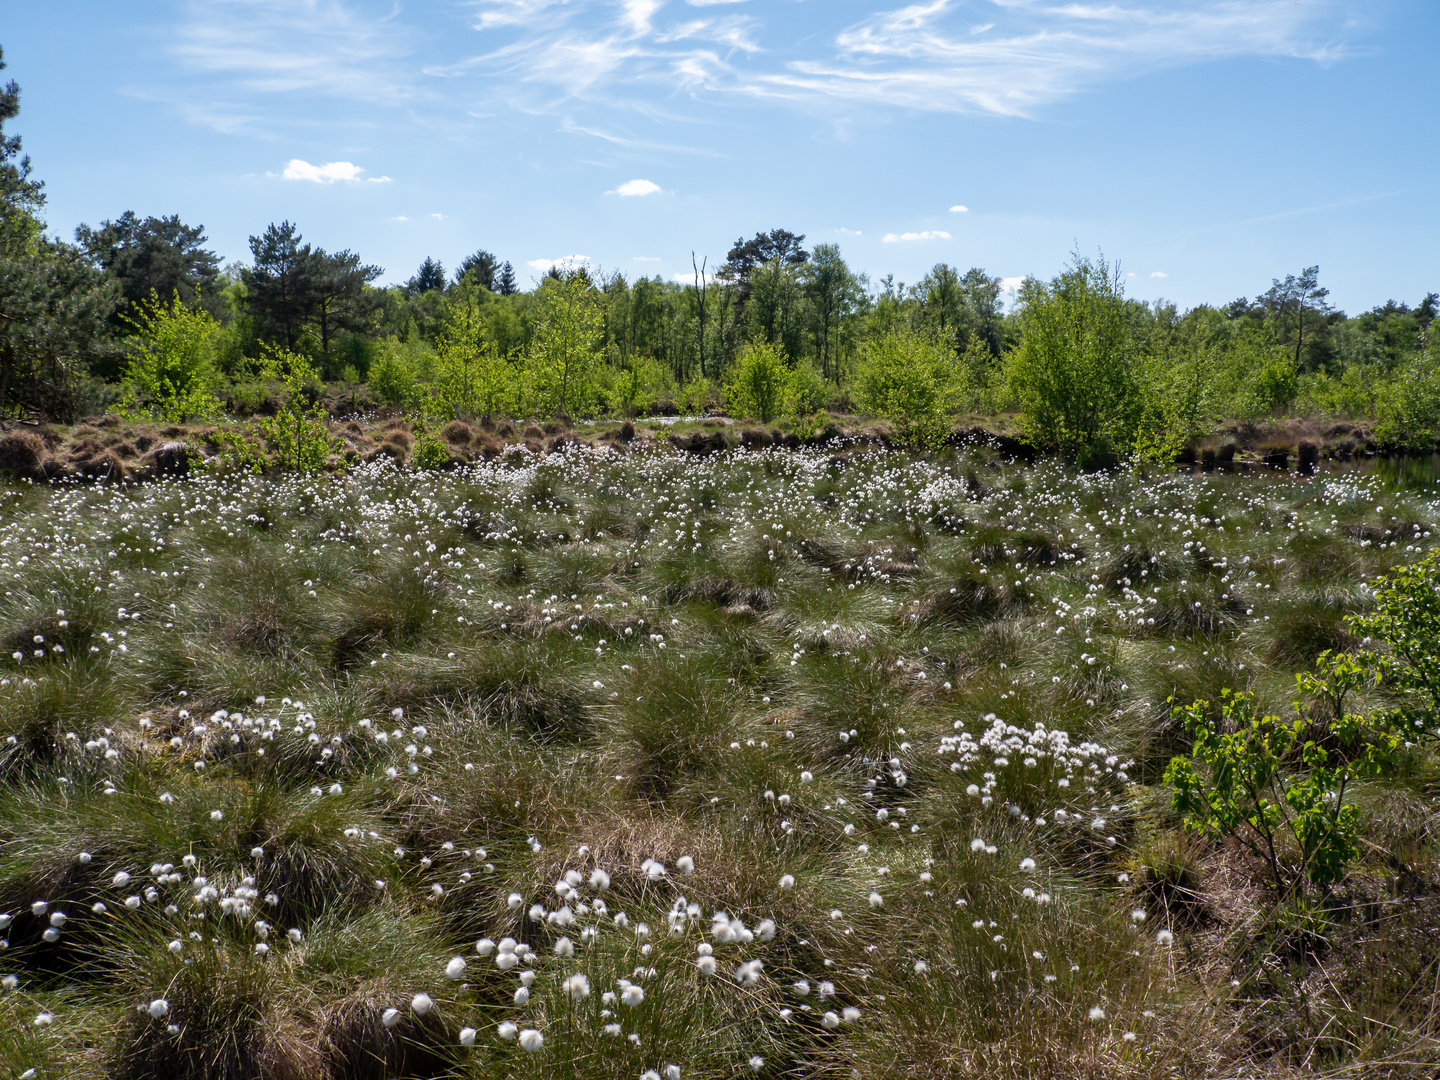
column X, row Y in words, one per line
column 680, row 800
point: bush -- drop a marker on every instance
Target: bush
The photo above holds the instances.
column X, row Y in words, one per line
column 471, row 377
column 759, row 382
column 297, row 431
column 1076, row 373
column 171, row 373
column 429, row 453
column 1410, row 409
column 391, row 377
column 1406, row 620
column 1246, row 785
column 909, row 380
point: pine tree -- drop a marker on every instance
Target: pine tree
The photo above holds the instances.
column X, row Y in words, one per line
column 506, row 285
column 429, row 278
column 53, row 305
column 481, row 268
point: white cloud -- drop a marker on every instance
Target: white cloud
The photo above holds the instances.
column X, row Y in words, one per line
column 439, row 217
column 563, row 262
column 647, row 258
column 638, row 12
column 1159, row 273
column 848, row 232
column 929, row 234
column 1011, row 284
column 688, row 278
column 633, row 188
column 925, row 55
column 494, row 13
column 958, row 209
column 329, row 173
column 915, row 58
column 289, row 46
column 400, row 217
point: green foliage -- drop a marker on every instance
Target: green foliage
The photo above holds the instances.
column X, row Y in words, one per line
column 53, row 304
column 1410, row 408
column 1271, row 384
column 1076, row 374
column 565, row 350
column 1279, row 785
column 391, row 379
column 471, row 378
column 429, row 453
column 297, row 431
column 1406, row 620
column 759, row 382
column 171, row 374
column 909, row 380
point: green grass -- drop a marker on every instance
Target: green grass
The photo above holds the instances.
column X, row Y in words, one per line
column 898, row 723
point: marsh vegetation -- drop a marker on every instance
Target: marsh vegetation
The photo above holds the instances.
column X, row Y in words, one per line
column 776, row 763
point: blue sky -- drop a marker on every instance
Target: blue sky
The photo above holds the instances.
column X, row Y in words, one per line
column 1209, row 145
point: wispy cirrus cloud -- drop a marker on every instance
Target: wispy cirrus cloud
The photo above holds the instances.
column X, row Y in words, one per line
column 1035, row 52
column 931, row 56
column 327, row 47
column 1002, row 57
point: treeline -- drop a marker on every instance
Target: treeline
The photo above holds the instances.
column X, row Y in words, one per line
column 141, row 314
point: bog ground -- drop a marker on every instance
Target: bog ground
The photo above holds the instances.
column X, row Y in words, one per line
column 838, row 762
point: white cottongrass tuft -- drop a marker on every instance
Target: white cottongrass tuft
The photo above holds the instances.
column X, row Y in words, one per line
column 467, row 1036
column 1165, row 937
column 531, row 1040
column 1097, row 1013
column 578, row 986
column 390, row 1017
column 159, row 1007
column 632, row 995
column 787, row 881
column 507, row 1031
column 455, row 969
column 421, row 1004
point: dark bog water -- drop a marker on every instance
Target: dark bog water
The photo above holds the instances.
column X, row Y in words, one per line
column 1398, row 474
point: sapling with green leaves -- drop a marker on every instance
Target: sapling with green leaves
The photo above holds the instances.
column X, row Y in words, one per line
column 297, row 430
column 1278, row 785
column 1406, row 620
column 171, row 374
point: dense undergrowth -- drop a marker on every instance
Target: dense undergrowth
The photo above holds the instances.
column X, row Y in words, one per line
column 777, row 763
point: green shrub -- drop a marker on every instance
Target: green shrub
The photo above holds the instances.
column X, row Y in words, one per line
column 1406, row 620
column 759, row 382
column 1410, row 408
column 391, row 377
column 429, row 453
column 471, row 377
column 909, row 380
column 1076, row 375
column 297, row 431
column 1278, row 785
column 171, row 373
